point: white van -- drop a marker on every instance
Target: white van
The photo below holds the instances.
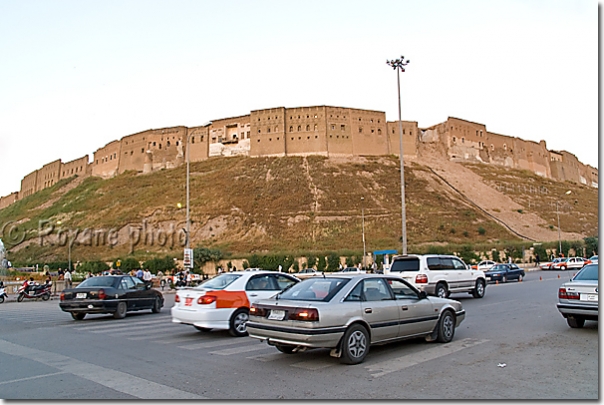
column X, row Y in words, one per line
column 439, row 275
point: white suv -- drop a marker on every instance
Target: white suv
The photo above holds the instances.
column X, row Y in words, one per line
column 439, row 275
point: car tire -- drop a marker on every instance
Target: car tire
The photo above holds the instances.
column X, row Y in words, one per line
column 20, row 297
column 237, row 323
column 479, row 289
column 520, row 277
column 504, row 279
column 1, row 299
column 78, row 316
column 562, row 267
column 202, row 329
column 46, row 297
column 441, row 290
column 575, row 322
column 120, row 312
column 287, row 349
column 156, row 308
column 355, row 344
column 446, row 327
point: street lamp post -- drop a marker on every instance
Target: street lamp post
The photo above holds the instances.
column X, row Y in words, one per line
column 363, row 222
column 399, row 66
column 558, row 215
column 188, row 219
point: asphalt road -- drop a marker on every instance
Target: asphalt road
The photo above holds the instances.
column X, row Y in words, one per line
column 513, row 344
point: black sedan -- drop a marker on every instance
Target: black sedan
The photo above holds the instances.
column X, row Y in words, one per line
column 110, row 295
column 504, row 272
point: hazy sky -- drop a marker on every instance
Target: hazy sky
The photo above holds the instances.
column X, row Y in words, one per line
column 75, row 75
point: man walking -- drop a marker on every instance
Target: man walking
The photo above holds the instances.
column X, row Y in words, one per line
column 67, row 278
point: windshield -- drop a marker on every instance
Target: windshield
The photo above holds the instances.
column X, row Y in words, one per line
column 589, row 272
column 499, row 267
column 314, row 289
column 408, row 264
column 219, row 282
column 101, row 281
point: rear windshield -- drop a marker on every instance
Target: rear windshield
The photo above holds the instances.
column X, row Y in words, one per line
column 314, row 289
column 589, row 272
column 100, row 281
column 407, row 264
column 218, row 283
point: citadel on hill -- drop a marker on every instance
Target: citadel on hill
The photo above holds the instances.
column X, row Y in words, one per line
column 318, row 130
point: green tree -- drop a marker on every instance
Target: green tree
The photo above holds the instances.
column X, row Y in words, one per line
column 333, row 261
column 591, row 245
column 127, row 264
column 322, row 265
column 93, row 267
column 159, row 264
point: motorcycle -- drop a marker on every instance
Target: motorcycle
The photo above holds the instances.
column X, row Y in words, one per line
column 34, row 291
column 3, row 294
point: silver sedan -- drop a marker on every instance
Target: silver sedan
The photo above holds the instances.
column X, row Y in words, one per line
column 349, row 313
column 578, row 298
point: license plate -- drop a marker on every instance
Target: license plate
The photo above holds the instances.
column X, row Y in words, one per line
column 277, row 315
column 488, row 278
column 81, row 295
column 188, row 301
column 589, row 297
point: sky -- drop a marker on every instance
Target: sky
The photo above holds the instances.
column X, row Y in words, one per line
column 76, row 75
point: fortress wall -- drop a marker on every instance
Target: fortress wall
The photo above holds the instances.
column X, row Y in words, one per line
column 532, row 156
column 368, row 133
column 28, row 184
column 230, row 129
column 198, row 143
column 48, row 175
column 338, row 129
column 267, row 132
column 590, row 174
column 133, row 151
column 7, row 200
column 77, row 167
column 465, row 139
column 106, row 160
column 411, row 136
column 166, row 146
column 500, row 149
column 305, row 131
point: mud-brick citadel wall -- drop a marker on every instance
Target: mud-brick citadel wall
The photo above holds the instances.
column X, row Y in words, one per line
column 315, row 130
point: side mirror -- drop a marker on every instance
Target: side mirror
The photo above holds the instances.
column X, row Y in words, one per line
column 147, row 286
column 422, row 295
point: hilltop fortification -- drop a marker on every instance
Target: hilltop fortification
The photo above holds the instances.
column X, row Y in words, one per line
column 302, row 131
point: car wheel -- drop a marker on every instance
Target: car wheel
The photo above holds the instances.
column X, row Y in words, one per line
column 355, row 344
column 562, row 267
column 46, row 297
column 156, row 306
column 441, row 290
column 1, row 299
column 446, row 327
column 20, row 298
column 479, row 290
column 575, row 322
column 120, row 312
column 78, row 316
column 202, row 329
column 504, row 279
column 520, row 277
column 287, row 349
column 238, row 323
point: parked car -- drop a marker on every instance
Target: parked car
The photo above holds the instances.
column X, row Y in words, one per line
column 578, row 298
column 350, row 270
column 439, row 275
column 110, row 294
column 223, row 302
column 306, row 273
column 548, row 265
column 350, row 312
column 504, row 272
column 570, row 263
column 593, row 259
column 484, row 265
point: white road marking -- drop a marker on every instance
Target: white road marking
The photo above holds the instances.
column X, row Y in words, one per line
column 389, row 366
column 314, row 364
column 148, row 330
column 243, row 349
column 114, row 379
column 119, row 325
column 32, row 378
column 176, row 340
column 268, row 357
column 213, row 343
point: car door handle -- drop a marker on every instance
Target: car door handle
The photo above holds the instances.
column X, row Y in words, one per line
column 253, row 295
column 405, row 308
column 368, row 310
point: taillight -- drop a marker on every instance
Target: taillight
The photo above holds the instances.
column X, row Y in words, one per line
column 177, row 298
column 102, row 294
column 567, row 295
column 255, row 311
column 421, row 279
column 304, row 314
column 206, row 299
column 62, row 296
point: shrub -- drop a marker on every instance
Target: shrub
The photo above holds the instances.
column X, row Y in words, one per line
column 481, row 231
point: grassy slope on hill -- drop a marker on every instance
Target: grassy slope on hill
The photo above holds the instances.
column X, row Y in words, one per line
column 253, row 205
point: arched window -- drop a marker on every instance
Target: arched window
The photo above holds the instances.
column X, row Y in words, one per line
column 308, row 127
column 291, row 128
column 316, row 127
column 299, row 128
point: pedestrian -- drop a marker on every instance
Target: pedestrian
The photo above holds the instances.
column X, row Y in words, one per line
column 139, row 273
column 61, row 274
column 536, row 259
column 509, row 259
column 280, row 268
column 67, row 278
column 147, row 277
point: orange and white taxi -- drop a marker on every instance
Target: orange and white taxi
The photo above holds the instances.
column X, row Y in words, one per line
column 223, row 302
